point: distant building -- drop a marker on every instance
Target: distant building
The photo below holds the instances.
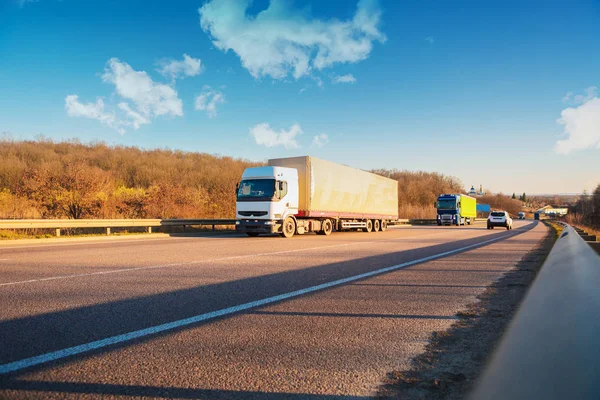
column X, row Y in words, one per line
column 473, row 192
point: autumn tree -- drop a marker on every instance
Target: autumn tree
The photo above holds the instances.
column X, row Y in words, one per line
column 71, row 189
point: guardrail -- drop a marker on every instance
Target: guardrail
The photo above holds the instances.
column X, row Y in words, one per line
column 424, row 221
column 550, row 350
column 59, row 224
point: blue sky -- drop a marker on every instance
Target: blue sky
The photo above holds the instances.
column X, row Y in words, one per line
column 495, row 93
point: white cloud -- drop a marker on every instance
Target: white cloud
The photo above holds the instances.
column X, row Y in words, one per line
column 320, row 140
column 574, row 99
column 145, row 99
column 136, row 118
column 348, row 78
column 302, row 90
column 264, row 135
column 150, row 99
column 208, row 100
column 430, row 39
column 279, row 40
column 174, row 69
column 75, row 108
column 582, row 126
column 568, row 97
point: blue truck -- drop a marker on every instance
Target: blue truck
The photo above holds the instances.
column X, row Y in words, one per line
column 456, row 209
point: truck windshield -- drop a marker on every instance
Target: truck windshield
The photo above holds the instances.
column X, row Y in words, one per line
column 446, row 204
column 256, row 190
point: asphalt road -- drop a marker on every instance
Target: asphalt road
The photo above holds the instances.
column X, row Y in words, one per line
column 230, row 317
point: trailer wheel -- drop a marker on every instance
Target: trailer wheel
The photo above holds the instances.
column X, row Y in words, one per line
column 376, row 225
column 369, row 227
column 327, row 227
column 289, row 227
column 383, row 225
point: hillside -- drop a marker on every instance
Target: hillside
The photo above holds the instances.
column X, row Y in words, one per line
column 45, row 179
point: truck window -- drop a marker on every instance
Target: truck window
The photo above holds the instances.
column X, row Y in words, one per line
column 256, row 190
column 446, row 204
column 282, row 189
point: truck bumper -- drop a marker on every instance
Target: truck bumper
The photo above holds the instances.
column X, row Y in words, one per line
column 257, row 226
column 445, row 221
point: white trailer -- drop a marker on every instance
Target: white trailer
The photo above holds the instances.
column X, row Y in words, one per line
column 305, row 194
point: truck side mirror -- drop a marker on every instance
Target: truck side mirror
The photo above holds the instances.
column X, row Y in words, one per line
column 237, row 188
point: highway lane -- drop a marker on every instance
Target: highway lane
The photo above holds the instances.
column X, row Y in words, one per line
column 338, row 341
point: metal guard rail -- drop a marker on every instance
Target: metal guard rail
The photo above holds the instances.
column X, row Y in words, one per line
column 59, row 224
column 551, row 350
column 123, row 223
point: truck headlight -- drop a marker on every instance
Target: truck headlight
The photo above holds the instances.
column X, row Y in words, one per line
column 237, row 222
column 269, row 222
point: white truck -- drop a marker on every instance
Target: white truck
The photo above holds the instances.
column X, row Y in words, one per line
column 293, row 196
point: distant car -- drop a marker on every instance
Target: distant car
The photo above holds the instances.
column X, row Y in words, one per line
column 521, row 215
column 499, row 218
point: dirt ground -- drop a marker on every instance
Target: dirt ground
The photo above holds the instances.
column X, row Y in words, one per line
column 454, row 359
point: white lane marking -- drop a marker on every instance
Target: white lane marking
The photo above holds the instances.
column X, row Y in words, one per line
column 121, row 240
column 115, row 271
column 126, row 337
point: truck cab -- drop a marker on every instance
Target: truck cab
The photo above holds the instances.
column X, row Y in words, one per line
column 265, row 197
column 456, row 209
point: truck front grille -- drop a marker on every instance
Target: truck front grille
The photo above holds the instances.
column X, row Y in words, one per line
column 252, row 213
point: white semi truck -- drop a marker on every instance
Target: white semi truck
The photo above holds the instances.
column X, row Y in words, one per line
column 293, row 196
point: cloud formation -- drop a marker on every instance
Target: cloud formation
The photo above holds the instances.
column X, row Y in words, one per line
column 143, row 99
column 150, row 99
column 280, row 41
column 574, row 99
column 265, row 136
column 320, row 140
column 582, row 127
column 174, row 69
column 348, row 78
column 208, row 100
column 95, row 110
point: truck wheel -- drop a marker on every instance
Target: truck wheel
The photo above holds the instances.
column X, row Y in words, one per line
column 327, row 227
column 369, row 227
column 252, row 234
column 383, row 226
column 289, row 227
column 376, row 225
